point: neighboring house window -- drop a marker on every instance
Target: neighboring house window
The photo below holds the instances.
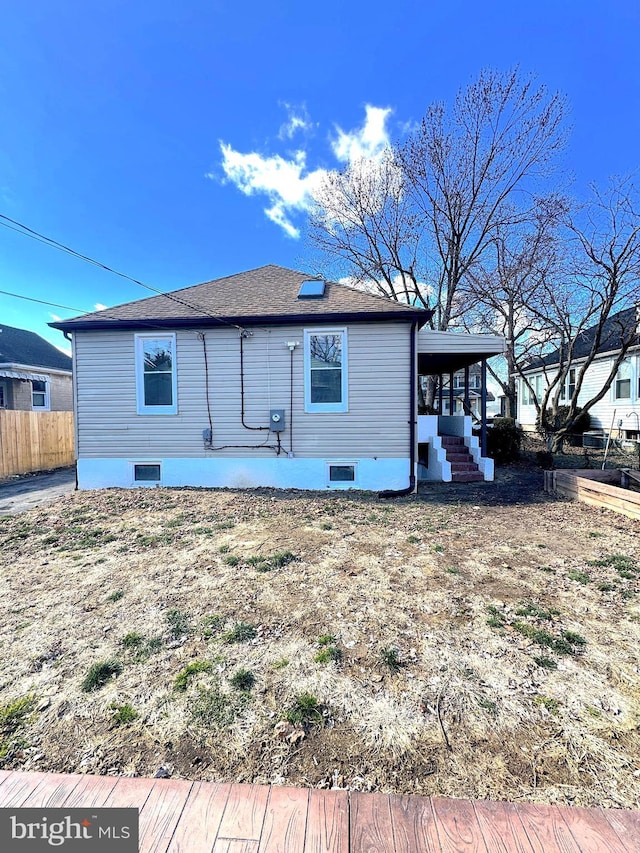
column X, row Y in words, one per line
column 623, row 382
column 156, row 374
column 569, row 385
column 325, row 373
column 3, row 395
column 40, row 394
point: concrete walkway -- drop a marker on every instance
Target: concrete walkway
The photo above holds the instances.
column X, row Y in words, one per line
column 23, row 493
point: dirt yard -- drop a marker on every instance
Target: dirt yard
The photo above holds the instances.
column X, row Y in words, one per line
column 475, row 640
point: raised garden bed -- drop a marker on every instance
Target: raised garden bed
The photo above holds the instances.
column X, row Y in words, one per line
column 597, row 488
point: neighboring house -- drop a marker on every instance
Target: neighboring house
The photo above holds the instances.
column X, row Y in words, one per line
column 474, row 394
column 264, row 378
column 620, row 405
column 34, row 375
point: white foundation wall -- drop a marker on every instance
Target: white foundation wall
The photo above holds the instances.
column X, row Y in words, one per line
column 242, row 473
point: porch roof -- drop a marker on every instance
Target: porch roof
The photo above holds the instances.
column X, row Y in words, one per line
column 446, row 352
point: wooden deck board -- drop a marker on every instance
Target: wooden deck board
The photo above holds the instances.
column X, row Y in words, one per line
column 52, row 790
column 19, row 786
column 91, row 791
column 160, row 814
column 201, row 817
column 626, row 824
column 414, row 826
column 285, row 820
column 501, row 828
column 545, row 828
column 178, row 816
column 457, row 825
column 592, row 831
column 327, row 822
column 244, row 815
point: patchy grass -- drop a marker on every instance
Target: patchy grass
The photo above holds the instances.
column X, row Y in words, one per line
column 99, row 674
column 14, row 717
column 241, row 632
column 178, row 622
column 184, row 678
column 123, row 715
column 243, row 680
column 390, row 657
column 305, row 710
column 338, row 646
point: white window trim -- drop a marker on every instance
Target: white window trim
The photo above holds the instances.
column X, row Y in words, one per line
column 142, row 408
column 632, row 383
column 343, row 405
column 341, row 484
column 47, row 398
column 145, row 483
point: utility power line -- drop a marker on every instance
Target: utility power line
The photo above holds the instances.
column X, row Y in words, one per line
column 20, row 228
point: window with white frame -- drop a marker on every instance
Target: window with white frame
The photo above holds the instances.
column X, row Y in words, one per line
column 40, row 394
column 622, row 384
column 325, row 370
column 147, row 472
column 341, row 475
column 569, row 385
column 156, row 383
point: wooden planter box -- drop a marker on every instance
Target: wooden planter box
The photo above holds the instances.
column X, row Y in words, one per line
column 597, row 488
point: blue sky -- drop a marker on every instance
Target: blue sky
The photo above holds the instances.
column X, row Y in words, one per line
column 178, row 142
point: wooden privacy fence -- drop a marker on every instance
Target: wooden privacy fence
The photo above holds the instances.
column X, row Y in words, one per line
column 35, row 441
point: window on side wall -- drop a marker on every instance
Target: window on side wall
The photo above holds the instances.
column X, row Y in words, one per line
column 40, row 395
column 325, row 370
column 156, row 385
column 622, row 384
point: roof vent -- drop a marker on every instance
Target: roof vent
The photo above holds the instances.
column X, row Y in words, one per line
column 312, row 289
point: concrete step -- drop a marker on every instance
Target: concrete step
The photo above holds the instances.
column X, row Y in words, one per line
column 463, row 466
column 459, row 457
column 466, row 477
column 451, row 440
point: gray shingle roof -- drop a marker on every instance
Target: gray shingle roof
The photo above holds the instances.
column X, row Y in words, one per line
column 266, row 294
column 18, row 346
column 617, row 329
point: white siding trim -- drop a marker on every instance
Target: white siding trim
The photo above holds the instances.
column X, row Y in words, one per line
column 242, row 473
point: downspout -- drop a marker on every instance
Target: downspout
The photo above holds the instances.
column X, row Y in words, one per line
column 400, row 493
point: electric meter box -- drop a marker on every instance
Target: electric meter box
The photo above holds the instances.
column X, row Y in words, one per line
column 276, row 420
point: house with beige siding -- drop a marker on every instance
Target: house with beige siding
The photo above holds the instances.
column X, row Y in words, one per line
column 264, row 378
column 34, row 375
column 618, row 411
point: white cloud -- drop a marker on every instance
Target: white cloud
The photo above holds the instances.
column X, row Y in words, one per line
column 287, row 182
column 366, row 143
column 100, row 307
column 370, row 286
column 55, row 318
column 298, row 120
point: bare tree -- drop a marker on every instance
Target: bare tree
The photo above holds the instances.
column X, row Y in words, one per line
column 506, row 287
column 473, row 173
column 597, row 308
column 416, row 223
